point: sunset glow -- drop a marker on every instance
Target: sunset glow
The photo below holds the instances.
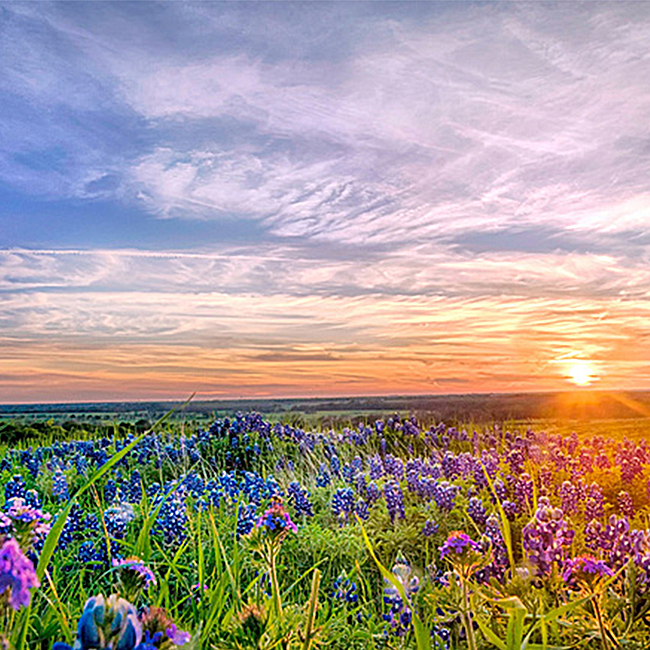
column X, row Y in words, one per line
column 581, row 372
column 296, row 199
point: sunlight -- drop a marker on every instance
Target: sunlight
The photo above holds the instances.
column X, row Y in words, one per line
column 581, row 372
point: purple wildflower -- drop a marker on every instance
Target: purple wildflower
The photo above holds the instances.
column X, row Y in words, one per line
column 458, row 545
column 625, row 504
column 585, row 570
column 176, row 636
column 17, row 574
column 136, row 565
column 275, row 518
column 545, row 537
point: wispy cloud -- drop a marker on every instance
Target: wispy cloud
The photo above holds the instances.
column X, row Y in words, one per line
column 454, row 191
column 202, row 318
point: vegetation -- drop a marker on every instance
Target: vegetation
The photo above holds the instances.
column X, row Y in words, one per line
column 252, row 533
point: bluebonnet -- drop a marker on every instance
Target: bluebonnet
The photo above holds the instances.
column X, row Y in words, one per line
column 361, row 484
column 117, row 518
column 376, row 468
column 430, row 528
column 323, row 478
column 33, row 499
column 625, row 504
column 111, row 623
column 60, row 486
column 400, row 613
column 445, row 495
column 569, row 497
column 133, row 489
column 373, row 493
column 246, row 519
column 394, row 501
column 172, row 520
column 88, row 554
column 15, row 487
column 213, row 493
column 511, row 509
column 72, row 528
column 362, row 510
column 500, row 490
column 546, row 537
column 345, row 590
column 500, row 561
column 110, row 491
column 594, row 506
column 477, row 512
column 299, row 498
column 394, row 467
column 343, row 504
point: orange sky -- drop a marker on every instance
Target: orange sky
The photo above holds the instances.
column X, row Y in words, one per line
column 225, row 346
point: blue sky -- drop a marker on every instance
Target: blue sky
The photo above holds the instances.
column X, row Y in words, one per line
column 322, row 198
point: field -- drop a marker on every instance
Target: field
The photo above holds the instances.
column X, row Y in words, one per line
column 326, row 525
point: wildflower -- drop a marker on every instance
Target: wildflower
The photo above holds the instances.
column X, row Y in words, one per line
column 499, row 562
column 17, row 574
column 150, row 641
column 133, row 567
column 545, row 537
column 107, row 623
column 15, row 487
column 343, row 504
column 156, row 622
column 400, row 612
column 172, row 520
column 625, row 504
column 511, row 509
column 345, row 590
column 569, row 496
column 60, row 486
column 394, row 501
column 594, row 506
column 29, row 525
column 323, row 479
column 585, row 570
column 117, row 519
column 276, row 520
column 246, row 518
column 176, row 636
column 445, row 495
column 458, row 544
column 430, row 528
column 300, row 500
column 476, row 511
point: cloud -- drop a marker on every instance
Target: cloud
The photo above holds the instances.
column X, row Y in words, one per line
column 303, row 271
column 408, row 124
column 436, row 191
column 452, row 126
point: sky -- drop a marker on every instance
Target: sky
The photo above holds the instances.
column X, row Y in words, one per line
column 322, row 198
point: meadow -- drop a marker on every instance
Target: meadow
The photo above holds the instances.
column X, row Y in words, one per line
column 247, row 531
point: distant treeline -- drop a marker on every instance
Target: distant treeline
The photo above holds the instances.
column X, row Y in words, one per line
column 13, row 432
column 451, row 409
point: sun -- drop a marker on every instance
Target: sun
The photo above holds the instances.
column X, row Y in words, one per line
column 581, row 372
